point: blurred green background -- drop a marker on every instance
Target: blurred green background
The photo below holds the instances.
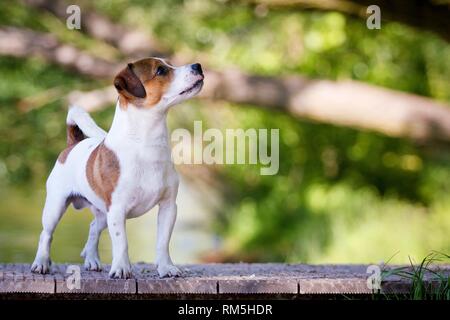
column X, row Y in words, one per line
column 341, row 195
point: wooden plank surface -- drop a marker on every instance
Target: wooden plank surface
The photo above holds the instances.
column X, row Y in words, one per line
column 207, row 279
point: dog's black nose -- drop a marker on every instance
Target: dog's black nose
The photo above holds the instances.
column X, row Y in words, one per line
column 197, row 68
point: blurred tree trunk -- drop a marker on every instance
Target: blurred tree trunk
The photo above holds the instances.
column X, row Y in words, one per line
column 343, row 103
column 347, row 103
column 129, row 42
column 428, row 15
column 25, row 43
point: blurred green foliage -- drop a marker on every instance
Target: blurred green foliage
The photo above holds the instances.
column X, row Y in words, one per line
column 341, row 195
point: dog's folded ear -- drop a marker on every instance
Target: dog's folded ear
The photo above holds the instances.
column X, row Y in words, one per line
column 128, row 83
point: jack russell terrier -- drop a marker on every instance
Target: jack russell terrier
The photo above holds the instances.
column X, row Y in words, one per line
column 125, row 172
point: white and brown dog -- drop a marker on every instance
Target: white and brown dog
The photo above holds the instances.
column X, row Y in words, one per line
column 124, row 173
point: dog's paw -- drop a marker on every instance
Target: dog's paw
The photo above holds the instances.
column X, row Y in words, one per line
column 92, row 263
column 41, row 265
column 120, row 271
column 168, row 270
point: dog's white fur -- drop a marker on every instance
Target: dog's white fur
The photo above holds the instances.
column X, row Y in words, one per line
column 139, row 139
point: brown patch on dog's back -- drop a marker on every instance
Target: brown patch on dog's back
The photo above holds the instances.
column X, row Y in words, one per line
column 74, row 135
column 155, row 85
column 103, row 171
column 65, row 153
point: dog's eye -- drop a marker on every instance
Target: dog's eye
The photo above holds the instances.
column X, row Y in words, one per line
column 161, row 71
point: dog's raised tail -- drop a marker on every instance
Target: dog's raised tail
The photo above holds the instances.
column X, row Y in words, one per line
column 80, row 126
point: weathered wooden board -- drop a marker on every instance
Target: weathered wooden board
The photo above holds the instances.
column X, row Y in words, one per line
column 207, row 279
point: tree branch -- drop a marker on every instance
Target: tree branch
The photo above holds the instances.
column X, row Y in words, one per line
column 426, row 14
column 344, row 103
column 25, row 43
column 347, row 103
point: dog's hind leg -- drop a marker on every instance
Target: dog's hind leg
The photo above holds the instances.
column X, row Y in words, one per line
column 90, row 251
column 55, row 206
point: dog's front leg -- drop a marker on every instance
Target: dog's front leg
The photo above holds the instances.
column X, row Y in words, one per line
column 166, row 219
column 120, row 267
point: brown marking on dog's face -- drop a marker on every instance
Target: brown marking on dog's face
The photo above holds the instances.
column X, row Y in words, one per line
column 103, row 171
column 143, row 82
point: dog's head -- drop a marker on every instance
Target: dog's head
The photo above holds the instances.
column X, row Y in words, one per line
column 154, row 83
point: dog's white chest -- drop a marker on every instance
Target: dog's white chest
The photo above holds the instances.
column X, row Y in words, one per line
column 149, row 184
